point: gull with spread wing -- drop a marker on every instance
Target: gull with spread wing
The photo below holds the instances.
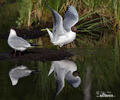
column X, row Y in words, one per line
column 62, row 33
column 64, row 69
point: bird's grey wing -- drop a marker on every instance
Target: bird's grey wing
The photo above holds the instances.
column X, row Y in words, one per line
column 70, row 18
column 19, row 42
column 17, row 73
column 59, row 81
column 57, row 22
column 74, row 81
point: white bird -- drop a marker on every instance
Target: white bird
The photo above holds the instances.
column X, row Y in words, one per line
column 64, row 69
column 19, row 72
column 62, row 33
column 16, row 42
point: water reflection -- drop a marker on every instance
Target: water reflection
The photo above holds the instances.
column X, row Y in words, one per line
column 64, row 69
column 87, row 85
column 99, row 71
column 19, row 72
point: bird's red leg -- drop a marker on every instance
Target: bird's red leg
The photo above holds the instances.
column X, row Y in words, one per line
column 15, row 54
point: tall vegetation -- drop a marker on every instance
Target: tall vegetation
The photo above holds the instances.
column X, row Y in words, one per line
column 95, row 16
column 8, row 15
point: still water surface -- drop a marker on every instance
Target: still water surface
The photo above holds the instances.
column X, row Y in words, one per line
column 98, row 69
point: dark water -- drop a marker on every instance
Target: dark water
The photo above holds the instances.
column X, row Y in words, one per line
column 98, row 69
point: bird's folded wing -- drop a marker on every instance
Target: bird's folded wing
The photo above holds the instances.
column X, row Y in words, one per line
column 59, row 80
column 18, row 72
column 20, row 42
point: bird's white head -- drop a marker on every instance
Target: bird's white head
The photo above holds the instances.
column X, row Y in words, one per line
column 78, row 79
column 12, row 32
column 77, row 83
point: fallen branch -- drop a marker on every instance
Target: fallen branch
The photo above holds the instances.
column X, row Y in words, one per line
column 37, row 54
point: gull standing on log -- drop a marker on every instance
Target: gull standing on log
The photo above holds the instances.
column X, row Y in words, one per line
column 64, row 69
column 18, row 43
column 62, row 33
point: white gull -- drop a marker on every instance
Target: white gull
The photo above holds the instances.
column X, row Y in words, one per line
column 18, row 43
column 19, row 72
column 64, row 69
column 62, row 33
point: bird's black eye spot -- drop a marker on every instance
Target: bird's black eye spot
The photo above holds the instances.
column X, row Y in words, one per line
column 75, row 73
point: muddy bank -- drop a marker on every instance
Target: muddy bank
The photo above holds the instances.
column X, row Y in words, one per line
column 37, row 54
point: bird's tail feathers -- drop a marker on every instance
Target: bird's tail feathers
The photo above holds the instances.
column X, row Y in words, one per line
column 35, row 71
column 32, row 44
column 51, row 70
column 50, row 34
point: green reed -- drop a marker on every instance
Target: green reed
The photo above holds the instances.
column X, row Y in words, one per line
column 35, row 11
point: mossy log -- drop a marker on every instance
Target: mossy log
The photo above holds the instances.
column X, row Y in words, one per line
column 37, row 54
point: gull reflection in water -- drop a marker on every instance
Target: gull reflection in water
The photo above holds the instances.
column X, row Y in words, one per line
column 19, row 72
column 64, row 69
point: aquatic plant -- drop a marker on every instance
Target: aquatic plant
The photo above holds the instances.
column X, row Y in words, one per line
column 98, row 18
column 91, row 19
column 8, row 16
column 25, row 13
